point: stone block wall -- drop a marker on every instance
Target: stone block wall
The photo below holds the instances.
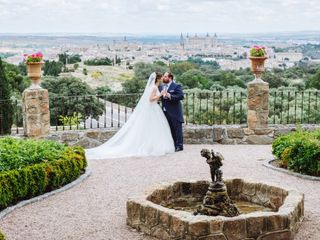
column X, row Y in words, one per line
column 258, row 105
column 36, row 114
column 193, row 134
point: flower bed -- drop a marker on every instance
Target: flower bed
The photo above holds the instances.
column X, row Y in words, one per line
column 299, row 152
column 32, row 167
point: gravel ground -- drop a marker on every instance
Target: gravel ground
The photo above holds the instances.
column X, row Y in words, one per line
column 95, row 209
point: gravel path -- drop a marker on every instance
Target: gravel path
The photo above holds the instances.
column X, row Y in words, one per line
column 95, row 209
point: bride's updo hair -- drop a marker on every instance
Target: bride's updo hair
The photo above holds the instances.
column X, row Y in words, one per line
column 158, row 77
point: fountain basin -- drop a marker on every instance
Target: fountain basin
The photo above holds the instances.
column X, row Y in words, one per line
column 267, row 212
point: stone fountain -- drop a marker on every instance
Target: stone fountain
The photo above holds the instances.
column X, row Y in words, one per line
column 218, row 209
column 216, row 201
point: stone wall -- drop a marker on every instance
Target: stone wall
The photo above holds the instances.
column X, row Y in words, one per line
column 193, row 134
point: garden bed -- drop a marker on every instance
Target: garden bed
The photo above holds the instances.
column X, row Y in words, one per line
column 29, row 168
column 276, row 165
column 298, row 152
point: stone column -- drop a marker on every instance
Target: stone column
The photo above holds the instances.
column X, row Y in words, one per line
column 258, row 105
column 36, row 114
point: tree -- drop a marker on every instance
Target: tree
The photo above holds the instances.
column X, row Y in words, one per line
column 99, row 62
column 52, row 68
column 314, row 81
column 22, row 68
column 194, row 78
column 6, row 109
column 198, row 61
column 17, row 82
column 178, row 68
column 100, row 91
column 274, row 80
column 118, row 60
column 133, row 85
column 142, row 70
column 69, row 59
column 69, row 95
column 227, row 78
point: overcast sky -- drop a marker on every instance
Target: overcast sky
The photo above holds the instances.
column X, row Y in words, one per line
column 158, row 16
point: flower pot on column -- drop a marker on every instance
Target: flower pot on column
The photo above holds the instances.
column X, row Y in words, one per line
column 257, row 67
column 34, row 73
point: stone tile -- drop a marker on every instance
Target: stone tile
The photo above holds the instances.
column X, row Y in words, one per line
column 248, row 131
column 200, row 188
column 133, row 212
column 263, row 193
column 218, row 134
column 235, row 229
column 249, row 189
column 235, row 132
column 256, row 226
column 279, row 235
column 176, row 190
column 164, row 219
column 177, row 227
column 186, row 188
column 151, row 216
column 277, row 222
column 160, row 233
column 236, row 187
column 259, row 139
column 93, row 134
column 216, row 225
column 198, row 228
column 214, row 237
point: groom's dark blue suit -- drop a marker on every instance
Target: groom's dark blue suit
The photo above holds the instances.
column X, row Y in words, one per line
column 172, row 108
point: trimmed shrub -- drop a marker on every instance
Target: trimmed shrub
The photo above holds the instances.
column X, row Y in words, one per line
column 30, row 181
column 2, row 237
column 299, row 151
column 18, row 153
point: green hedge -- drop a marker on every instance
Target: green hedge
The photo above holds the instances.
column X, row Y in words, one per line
column 18, row 153
column 2, row 237
column 299, row 151
column 34, row 180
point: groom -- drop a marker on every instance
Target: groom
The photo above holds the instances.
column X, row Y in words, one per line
column 172, row 95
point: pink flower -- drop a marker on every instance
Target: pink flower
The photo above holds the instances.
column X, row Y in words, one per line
column 39, row 54
column 25, row 55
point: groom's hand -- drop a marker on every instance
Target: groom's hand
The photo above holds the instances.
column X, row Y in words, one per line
column 168, row 95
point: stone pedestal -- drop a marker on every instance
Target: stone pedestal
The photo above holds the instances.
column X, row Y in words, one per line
column 36, row 114
column 217, row 202
column 258, row 105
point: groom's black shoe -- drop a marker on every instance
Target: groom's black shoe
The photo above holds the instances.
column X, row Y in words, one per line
column 178, row 149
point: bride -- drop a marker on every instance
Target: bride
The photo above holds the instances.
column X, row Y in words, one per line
column 146, row 133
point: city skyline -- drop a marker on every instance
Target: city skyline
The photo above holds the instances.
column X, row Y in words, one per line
column 158, row 17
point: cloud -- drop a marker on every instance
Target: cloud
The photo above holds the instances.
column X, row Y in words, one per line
column 158, row 16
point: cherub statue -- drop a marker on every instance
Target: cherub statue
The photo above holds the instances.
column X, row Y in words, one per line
column 215, row 162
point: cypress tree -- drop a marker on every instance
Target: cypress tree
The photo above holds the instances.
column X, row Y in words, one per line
column 6, row 109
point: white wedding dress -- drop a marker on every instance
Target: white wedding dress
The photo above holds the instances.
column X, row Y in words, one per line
column 146, row 133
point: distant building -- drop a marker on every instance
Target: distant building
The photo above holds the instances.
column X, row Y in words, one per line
column 198, row 42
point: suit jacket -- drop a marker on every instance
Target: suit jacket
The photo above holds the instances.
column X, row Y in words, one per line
column 173, row 106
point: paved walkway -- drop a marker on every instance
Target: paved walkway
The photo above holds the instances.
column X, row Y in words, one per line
column 95, row 209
